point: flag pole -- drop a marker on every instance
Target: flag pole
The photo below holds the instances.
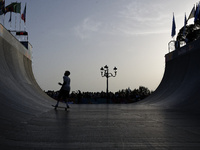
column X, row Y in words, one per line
column 24, row 26
column 3, row 19
column 15, row 22
column 20, row 23
column 24, row 17
column 10, row 20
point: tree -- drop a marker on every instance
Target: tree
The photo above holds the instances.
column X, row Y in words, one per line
column 143, row 92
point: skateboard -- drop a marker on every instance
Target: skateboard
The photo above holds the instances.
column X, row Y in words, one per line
column 59, row 107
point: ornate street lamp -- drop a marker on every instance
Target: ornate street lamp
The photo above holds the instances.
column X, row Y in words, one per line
column 105, row 73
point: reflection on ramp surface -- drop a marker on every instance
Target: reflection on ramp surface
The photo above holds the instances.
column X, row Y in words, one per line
column 29, row 122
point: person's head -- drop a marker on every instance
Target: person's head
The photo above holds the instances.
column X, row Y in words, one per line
column 67, row 73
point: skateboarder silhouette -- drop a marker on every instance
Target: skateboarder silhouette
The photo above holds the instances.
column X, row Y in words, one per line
column 65, row 89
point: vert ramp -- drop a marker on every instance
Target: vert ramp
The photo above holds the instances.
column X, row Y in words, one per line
column 180, row 86
column 20, row 96
column 28, row 121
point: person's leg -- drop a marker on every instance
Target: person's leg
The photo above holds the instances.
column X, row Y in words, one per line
column 66, row 96
column 67, row 103
column 57, row 103
column 59, row 97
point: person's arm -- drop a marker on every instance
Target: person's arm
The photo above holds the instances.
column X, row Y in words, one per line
column 61, row 83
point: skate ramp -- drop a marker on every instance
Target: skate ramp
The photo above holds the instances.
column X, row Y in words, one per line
column 180, row 86
column 29, row 122
column 20, row 96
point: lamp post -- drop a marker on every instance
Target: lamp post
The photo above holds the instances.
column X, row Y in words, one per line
column 105, row 73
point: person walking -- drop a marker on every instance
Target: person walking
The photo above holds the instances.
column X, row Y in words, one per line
column 65, row 89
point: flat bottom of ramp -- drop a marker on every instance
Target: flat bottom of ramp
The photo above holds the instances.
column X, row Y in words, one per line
column 107, row 127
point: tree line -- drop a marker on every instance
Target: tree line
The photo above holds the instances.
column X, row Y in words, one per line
column 121, row 96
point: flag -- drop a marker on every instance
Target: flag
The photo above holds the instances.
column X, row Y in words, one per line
column 2, row 7
column 173, row 27
column 23, row 16
column 196, row 14
column 185, row 23
column 192, row 13
column 13, row 7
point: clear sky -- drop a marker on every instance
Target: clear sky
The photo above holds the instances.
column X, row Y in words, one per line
column 84, row 35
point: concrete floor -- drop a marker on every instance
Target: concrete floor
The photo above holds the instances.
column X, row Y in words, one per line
column 125, row 126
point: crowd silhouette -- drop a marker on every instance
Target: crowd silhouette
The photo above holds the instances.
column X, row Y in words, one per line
column 120, row 97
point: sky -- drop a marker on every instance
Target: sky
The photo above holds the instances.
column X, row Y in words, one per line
column 84, row 35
